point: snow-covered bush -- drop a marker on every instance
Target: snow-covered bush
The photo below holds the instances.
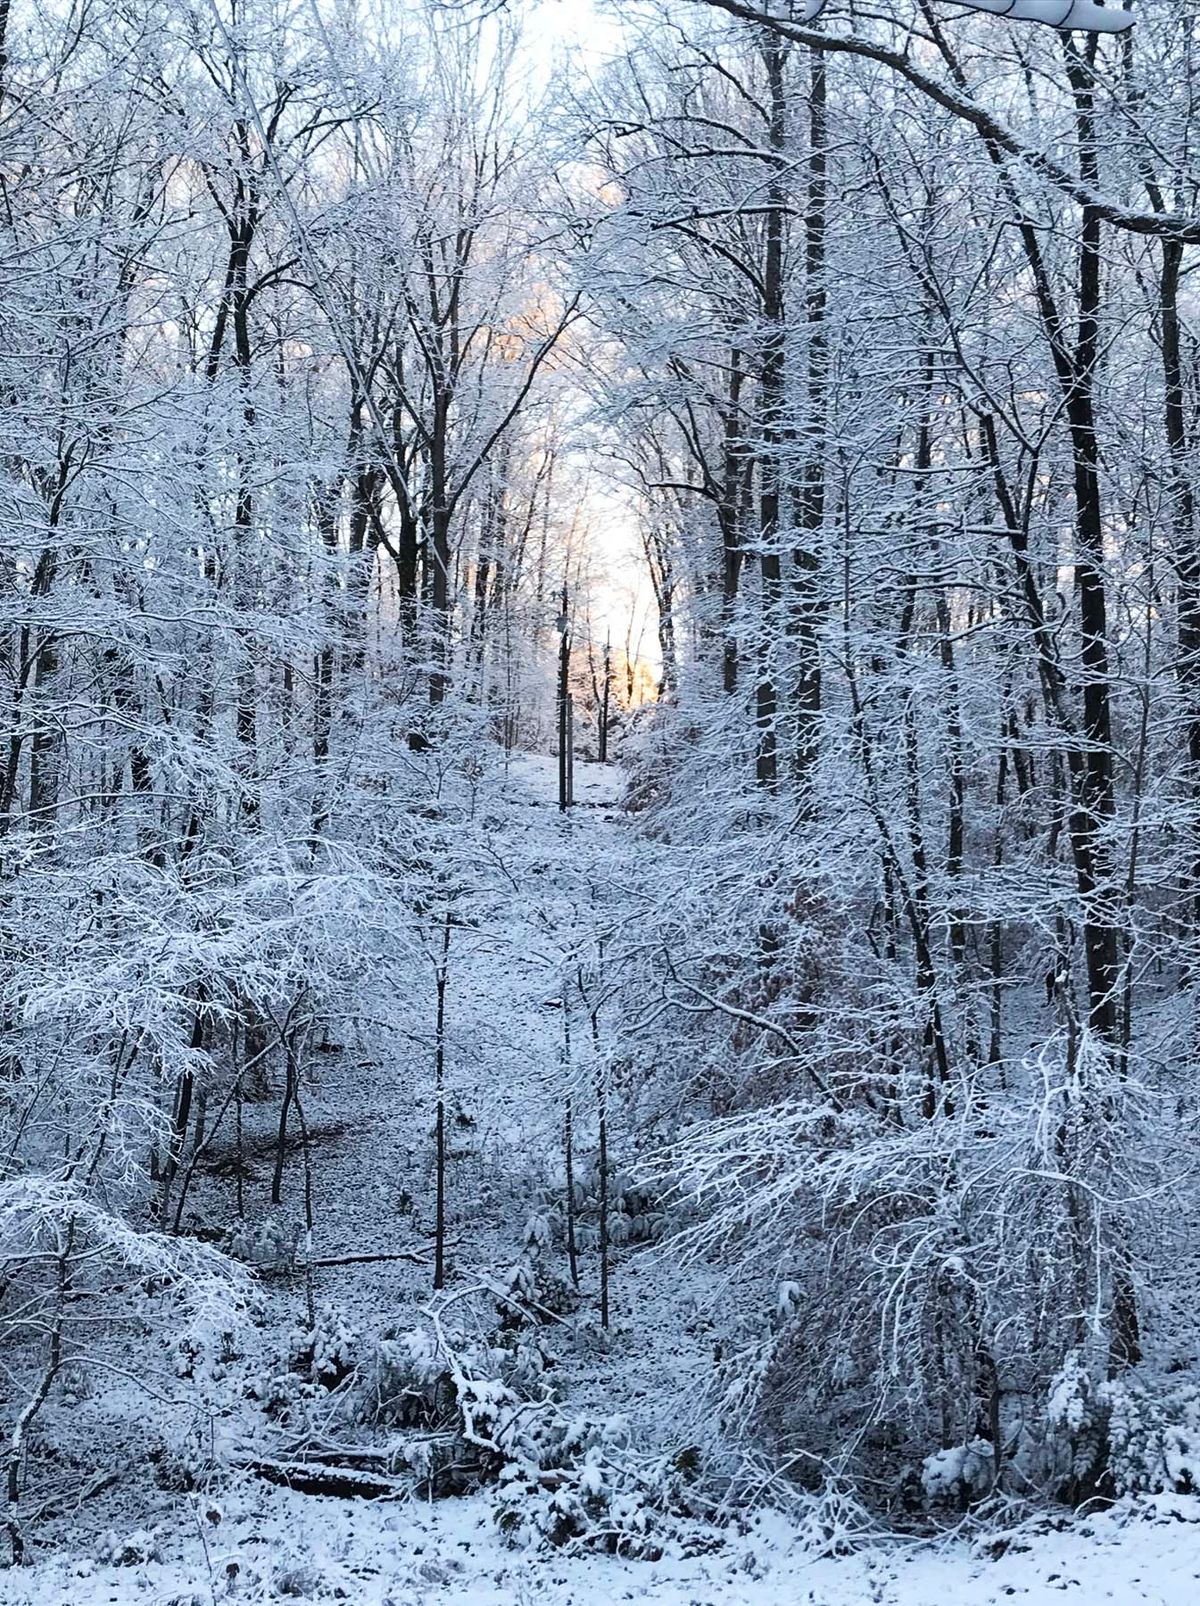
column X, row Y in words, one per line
column 573, row 1480
column 925, row 1303
column 486, row 1415
column 405, row 1381
column 589, row 1506
column 57, row 1242
column 534, row 1291
column 207, row 1354
column 1129, row 1434
column 958, row 1475
column 269, row 1244
column 637, row 1213
column 1073, row 1454
column 1154, row 1436
column 129, row 1550
column 312, row 1363
column 327, row 1352
column 187, row 1459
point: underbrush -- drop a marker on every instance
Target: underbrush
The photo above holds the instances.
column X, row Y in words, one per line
column 440, row 1414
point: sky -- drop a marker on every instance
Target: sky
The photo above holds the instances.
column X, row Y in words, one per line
column 622, row 603
column 578, row 24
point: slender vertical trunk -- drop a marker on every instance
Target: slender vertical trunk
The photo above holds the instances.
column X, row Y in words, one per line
column 239, row 1128
column 362, row 541
column 407, row 535
column 439, row 554
column 564, row 704
column 4, row 10
column 736, row 465
column 45, row 748
column 771, row 423
column 606, row 690
column 285, row 1110
column 30, row 654
column 439, row 1227
column 808, row 602
column 182, row 1111
column 29, row 1411
column 996, row 937
column 325, row 669
column 569, row 1140
column 1183, row 520
column 242, row 226
column 1095, row 796
column 602, row 1119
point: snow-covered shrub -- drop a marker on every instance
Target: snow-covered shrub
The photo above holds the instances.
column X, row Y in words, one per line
column 58, row 1242
column 1074, row 1457
column 1154, row 1436
column 1122, row 1435
column 534, row 1292
column 284, row 1396
column 544, row 1226
column 205, row 1354
column 932, row 1295
column 636, row 1212
column 269, row 1244
column 129, row 1550
column 405, row 1381
column 186, row 1460
column 585, row 1507
column 325, row 1353
column 299, row 1581
column 527, row 1363
column 575, row 1482
column 740, row 1378
column 653, row 743
column 451, row 1404
column 958, row 1475
column 486, row 1414
column 313, row 1362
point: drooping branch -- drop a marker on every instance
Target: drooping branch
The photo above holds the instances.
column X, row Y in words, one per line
column 1082, row 16
column 1179, row 226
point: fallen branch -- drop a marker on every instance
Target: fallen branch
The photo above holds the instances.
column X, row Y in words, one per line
column 371, row 1260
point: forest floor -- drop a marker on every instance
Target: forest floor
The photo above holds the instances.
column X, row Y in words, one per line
column 546, row 882
column 288, row 1546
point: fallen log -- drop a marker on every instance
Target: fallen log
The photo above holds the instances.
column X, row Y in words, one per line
column 338, row 1482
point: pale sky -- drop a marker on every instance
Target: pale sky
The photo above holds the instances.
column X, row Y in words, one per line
column 577, row 24
column 592, row 33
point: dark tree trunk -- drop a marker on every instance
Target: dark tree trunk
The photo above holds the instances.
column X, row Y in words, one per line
column 771, row 425
column 439, row 1225
column 808, row 602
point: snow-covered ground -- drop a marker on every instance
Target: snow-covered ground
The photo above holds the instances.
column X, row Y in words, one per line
column 369, row 1118
column 278, row 1545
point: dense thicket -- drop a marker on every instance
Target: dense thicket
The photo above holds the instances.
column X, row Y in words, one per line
column 279, row 432
column 901, row 359
column 317, row 339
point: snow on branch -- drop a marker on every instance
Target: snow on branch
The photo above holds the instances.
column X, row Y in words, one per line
column 38, row 1214
column 1086, row 16
column 958, row 100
